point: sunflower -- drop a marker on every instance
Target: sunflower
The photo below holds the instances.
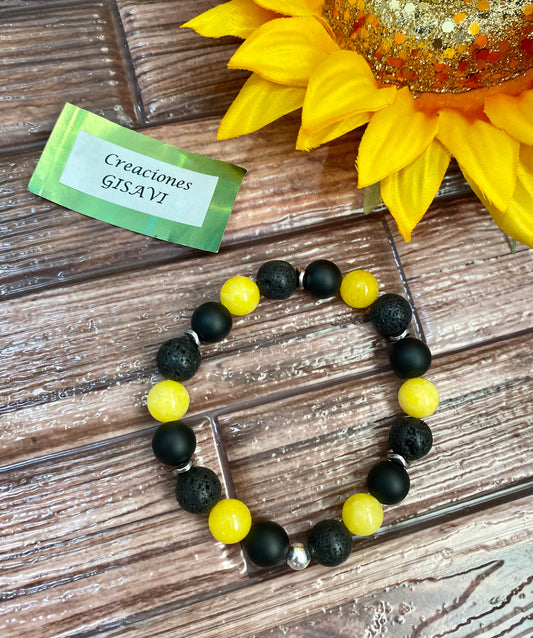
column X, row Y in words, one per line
column 430, row 79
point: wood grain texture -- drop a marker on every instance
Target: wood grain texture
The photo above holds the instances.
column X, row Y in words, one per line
column 439, row 551
column 113, row 339
column 301, row 457
column 57, row 54
column 492, row 598
column 291, row 410
column 100, row 529
column 181, row 76
column 472, row 285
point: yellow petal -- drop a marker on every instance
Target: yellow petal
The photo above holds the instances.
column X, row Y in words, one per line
column 258, row 103
column 513, row 114
column 517, row 221
column 315, row 137
column 239, row 18
column 409, row 193
column 285, row 51
column 487, row 154
column 395, row 137
column 342, row 86
column 293, row 7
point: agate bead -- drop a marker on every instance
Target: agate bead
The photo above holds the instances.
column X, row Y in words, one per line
column 388, row 482
column 230, row 521
column 410, row 358
column 362, row 514
column 267, row 544
column 418, row 397
column 322, row 279
column 212, row 322
column 240, row 295
column 174, row 443
column 359, row 289
column 167, row 401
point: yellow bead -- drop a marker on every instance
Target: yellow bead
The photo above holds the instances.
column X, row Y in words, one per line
column 240, row 295
column 230, row 521
column 359, row 289
column 418, row 397
column 167, row 401
column 362, row 514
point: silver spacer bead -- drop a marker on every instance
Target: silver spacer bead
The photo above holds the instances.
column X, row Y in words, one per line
column 397, row 458
column 193, row 336
column 405, row 333
column 183, row 468
column 301, row 279
column 298, row 557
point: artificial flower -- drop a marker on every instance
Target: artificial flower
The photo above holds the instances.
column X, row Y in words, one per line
column 431, row 80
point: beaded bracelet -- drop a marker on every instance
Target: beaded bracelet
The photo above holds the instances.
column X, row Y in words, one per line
column 199, row 490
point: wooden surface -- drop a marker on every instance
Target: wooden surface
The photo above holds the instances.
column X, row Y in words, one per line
column 291, row 410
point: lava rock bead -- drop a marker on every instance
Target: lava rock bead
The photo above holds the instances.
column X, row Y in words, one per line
column 322, row 279
column 198, row 490
column 174, row 443
column 267, row 544
column 411, row 438
column 178, row 359
column 390, row 314
column 388, row 482
column 212, row 322
column 410, row 358
column 277, row 279
column 330, row 542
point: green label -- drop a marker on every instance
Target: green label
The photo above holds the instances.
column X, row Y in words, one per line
column 103, row 170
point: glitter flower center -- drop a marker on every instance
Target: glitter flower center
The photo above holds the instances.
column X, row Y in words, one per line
column 437, row 45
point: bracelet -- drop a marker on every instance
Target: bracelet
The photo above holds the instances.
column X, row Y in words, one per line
column 198, row 489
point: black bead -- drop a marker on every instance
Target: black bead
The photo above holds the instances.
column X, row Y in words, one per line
column 267, row 544
column 198, row 490
column 330, row 542
column 390, row 314
column 277, row 279
column 322, row 279
column 174, row 443
column 388, row 482
column 410, row 358
column 411, row 438
column 178, row 359
column 211, row 321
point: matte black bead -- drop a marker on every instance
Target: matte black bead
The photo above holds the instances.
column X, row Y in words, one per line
column 390, row 314
column 178, row 359
column 211, row 321
column 174, row 443
column 388, row 482
column 322, row 279
column 277, row 279
column 267, row 544
column 330, row 542
column 410, row 358
column 411, row 438
column 198, row 490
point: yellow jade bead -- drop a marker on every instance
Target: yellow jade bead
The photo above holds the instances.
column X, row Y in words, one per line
column 359, row 289
column 418, row 397
column 230, row 521
column 362, row 514
column 167, row 401
column 240, row 295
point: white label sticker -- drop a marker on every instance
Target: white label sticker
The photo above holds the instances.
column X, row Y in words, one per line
column 133, row 180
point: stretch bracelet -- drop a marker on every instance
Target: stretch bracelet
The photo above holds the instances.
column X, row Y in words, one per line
column 199, row 489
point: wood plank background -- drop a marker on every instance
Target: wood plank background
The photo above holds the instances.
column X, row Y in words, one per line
column 291, row 410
